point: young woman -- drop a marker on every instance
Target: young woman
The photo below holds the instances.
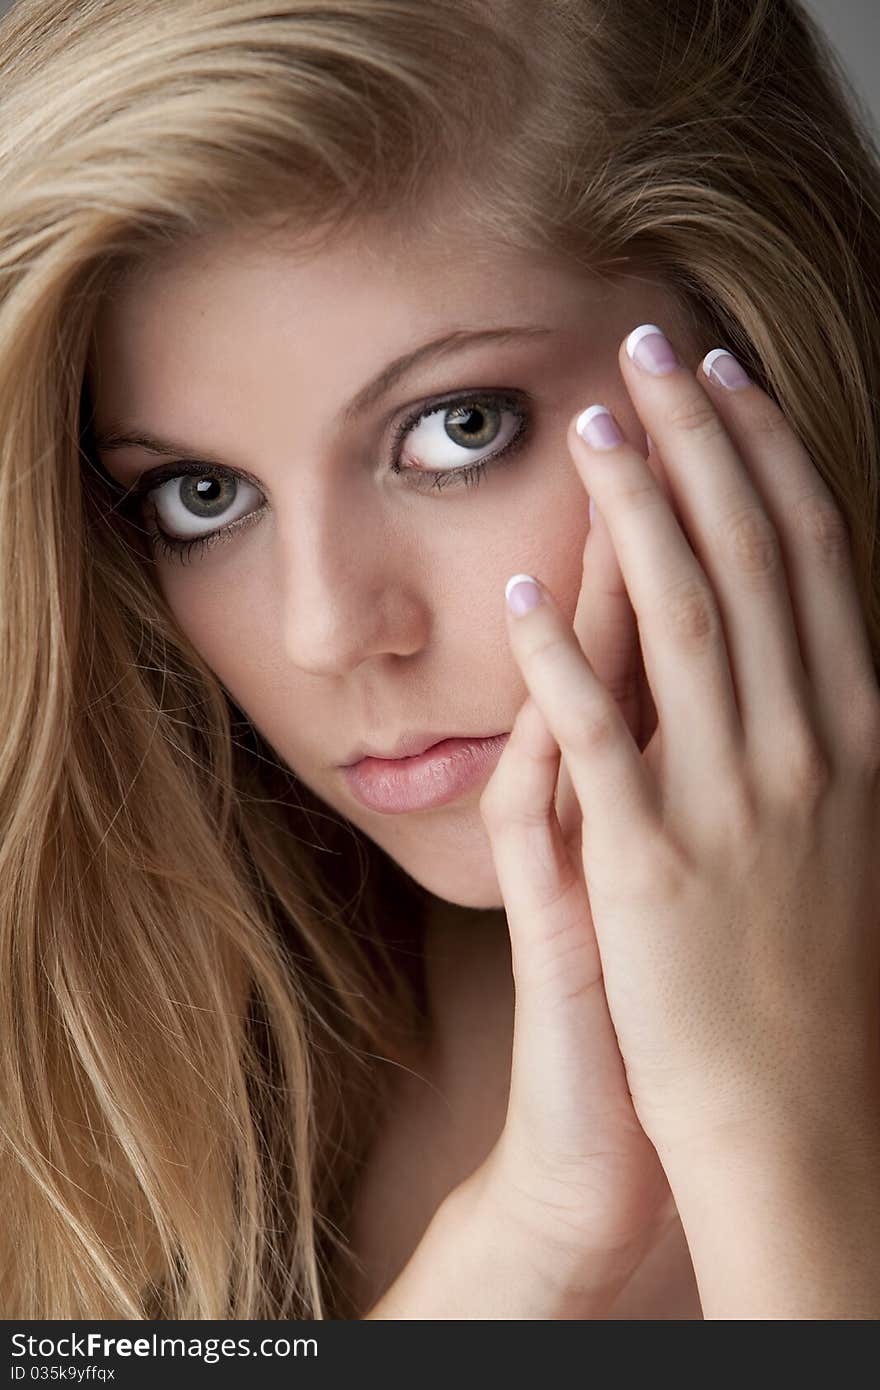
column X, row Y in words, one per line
column 315, row 321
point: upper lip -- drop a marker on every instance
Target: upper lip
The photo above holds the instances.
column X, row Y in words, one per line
column 407, row 746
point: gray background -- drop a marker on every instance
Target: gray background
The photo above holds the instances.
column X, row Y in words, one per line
column 853, row 26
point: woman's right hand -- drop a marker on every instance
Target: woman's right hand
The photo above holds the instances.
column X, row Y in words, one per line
column 572, row 1167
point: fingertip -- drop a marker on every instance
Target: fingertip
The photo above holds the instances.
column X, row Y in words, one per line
column 522, row 593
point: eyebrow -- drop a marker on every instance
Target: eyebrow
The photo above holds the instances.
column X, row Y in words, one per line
column 117, row 437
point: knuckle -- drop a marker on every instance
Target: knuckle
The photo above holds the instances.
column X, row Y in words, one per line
column 750, row 540
column 741, row 814
column 503, row 806
column 623, row 686
column 663, row 870
column 552, row 880
column 768, row 420
column 695, row 416
column 594, row 726
column 547, row 646
column 690, row 615
column 820, row 522
column 635, row 493
column 808, row 770
column 520, row 816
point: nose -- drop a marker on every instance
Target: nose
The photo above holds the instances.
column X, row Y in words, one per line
column 351, row 584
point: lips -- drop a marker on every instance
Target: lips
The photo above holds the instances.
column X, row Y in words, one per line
column 441, row 773
column 407, row 746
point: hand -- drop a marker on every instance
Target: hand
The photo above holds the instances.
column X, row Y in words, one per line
column 573, row 1163
column 731, row 867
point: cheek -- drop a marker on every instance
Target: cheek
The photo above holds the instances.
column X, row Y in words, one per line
column 540, row 529
column 553, row 546
column 550, row 546
column 224, row 624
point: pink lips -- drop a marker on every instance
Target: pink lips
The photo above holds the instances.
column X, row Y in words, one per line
column 433, row 778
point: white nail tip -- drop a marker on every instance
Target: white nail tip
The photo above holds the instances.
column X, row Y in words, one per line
column 638, row 334
column 587, row 415
column 516, row 579
column 712, row 357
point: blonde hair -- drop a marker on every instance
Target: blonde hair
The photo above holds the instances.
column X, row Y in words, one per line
column 202, row 965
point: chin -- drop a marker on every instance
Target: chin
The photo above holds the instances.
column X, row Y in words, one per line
column 470, row 885
column 484, row 902
column 448, row 855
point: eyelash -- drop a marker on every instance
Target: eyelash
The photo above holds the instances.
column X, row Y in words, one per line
column 468, row 476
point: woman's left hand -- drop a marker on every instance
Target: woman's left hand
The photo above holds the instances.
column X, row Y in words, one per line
column 732, row 866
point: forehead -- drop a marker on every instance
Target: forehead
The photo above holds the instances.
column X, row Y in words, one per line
column 300, row 277
column 216, row 313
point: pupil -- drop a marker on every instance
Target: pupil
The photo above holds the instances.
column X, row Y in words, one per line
column 471, row 413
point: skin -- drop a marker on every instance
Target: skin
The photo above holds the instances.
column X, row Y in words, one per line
column 264, row 634
column 731, row 861
column 329, row 621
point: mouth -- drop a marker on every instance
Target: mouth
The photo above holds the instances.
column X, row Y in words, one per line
column 407, row 746
column 426, row 780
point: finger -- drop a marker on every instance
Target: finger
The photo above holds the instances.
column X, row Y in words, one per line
column 566, row 1063
column 834, row 643
column 616, row 793
column 538, row 878
column 606, row 627
column 605, row 623
column 680, row 628
column 727, row 525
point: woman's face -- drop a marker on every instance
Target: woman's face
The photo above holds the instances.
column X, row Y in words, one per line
column 363, row 605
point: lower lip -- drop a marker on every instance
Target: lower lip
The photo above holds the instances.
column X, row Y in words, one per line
column 433, row 778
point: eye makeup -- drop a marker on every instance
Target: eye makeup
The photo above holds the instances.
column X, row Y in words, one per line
column 136, row 502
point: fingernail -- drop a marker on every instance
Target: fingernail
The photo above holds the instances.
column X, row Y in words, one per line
column 522, row 593
column 722, row 367
column 598, row 428
column 651, row 350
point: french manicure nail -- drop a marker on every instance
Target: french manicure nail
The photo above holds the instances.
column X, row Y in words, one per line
column 598, row 428
column 724, row 369
column 651, row 350
column 522, row 593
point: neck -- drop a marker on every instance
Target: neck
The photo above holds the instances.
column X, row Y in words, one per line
column 468, row 979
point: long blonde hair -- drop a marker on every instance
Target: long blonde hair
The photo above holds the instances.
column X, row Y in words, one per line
column 202, row 966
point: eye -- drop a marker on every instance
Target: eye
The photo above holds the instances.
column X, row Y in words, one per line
column 448, row 440
column 453, row 442
column 204, row 496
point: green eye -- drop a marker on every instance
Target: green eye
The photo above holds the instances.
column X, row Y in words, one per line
column 450, row 432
